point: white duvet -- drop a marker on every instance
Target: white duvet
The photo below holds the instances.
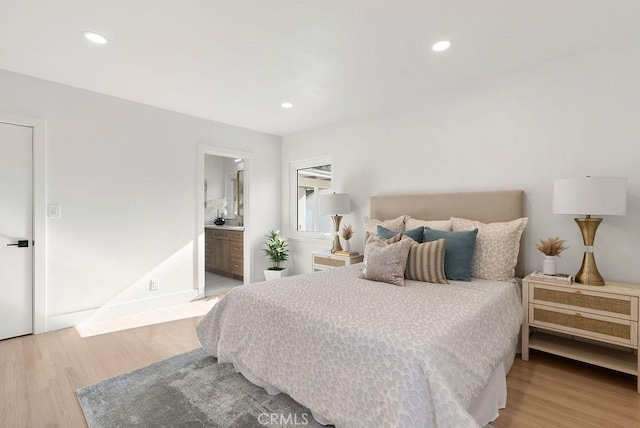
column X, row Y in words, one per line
column 364, row 353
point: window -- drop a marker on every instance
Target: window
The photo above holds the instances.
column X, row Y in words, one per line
column 309, row 179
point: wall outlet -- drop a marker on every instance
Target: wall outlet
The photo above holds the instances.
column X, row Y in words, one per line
column 54, row 211
column 154, row 284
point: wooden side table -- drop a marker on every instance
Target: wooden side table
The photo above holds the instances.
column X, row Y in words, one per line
column 323, row 260
column 593, row 324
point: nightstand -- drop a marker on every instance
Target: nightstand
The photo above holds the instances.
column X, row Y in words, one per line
column 323, row 260
column 595, row 325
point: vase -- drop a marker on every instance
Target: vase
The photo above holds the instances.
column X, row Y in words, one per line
column 270, row 274
column 549, row 265
column 218, row 221
column 346, row 246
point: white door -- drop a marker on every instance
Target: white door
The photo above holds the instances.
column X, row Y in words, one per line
column 16, row 231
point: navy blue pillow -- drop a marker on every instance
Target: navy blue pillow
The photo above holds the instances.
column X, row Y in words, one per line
column 416, row 234
column 458, row 254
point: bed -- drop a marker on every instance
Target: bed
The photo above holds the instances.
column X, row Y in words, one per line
column 365, row 353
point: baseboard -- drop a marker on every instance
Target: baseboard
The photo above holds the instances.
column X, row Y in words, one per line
column 71, row 319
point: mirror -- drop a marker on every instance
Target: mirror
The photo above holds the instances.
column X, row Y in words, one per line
column 239, row 194
column 234, row 192
column 311, row 182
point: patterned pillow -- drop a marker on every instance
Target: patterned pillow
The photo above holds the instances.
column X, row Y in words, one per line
column 412, row 223
column 386, row 262
column 416, row 234
column 458, row 255
column 497, row 247
column 426, row 262
column 396, row 225
column 392, row 240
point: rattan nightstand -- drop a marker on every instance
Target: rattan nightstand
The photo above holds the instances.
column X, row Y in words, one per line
column 595, row 325
column 323, row 260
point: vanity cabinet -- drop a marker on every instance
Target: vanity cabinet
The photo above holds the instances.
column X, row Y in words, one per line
column 224, row 252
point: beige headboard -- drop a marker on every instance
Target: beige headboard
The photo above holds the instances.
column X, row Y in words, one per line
column 487, row 207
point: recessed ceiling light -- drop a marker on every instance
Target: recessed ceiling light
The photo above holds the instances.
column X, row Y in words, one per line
column 95, row 37
column 237, row 160
column 442, row 45
column 286, row 105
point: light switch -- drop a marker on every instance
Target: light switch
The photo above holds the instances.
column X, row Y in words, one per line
column 54, row 211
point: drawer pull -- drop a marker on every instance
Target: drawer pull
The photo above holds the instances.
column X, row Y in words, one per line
column 578, row 315
column 578, row 292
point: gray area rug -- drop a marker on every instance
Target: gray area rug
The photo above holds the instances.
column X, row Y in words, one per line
column 189, row 390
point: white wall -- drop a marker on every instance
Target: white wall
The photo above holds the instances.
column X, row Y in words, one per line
column 214, row 173
column 569, row 118
column 125, row 176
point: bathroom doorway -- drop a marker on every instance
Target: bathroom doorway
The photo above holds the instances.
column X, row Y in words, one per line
column 223, row 253
column 224, row 223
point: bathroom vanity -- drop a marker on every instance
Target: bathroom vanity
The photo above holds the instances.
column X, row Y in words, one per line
column 224, row 250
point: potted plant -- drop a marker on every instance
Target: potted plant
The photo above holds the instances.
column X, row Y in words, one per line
column 220, row 205
column 551, row 248
column 277, row 251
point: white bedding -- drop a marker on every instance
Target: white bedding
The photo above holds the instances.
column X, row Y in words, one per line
column 364, row 353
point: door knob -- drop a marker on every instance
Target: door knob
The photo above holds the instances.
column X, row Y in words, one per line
column 21, row 243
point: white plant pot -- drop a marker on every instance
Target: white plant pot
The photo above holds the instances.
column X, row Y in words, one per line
column 549, row 265
column 274, row 274
column 346, row 245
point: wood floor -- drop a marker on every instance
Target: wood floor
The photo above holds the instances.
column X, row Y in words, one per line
column 39, row 375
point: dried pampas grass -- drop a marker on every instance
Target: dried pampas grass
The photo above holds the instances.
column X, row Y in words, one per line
column 551, row 246
column 347, row 232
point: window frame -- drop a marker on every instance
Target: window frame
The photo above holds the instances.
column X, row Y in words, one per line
column 294, row 166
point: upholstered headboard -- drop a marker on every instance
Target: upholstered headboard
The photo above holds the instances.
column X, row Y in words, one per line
column 487, row 207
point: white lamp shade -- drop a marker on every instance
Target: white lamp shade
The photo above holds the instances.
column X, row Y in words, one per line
column 335, row 204
column 590, row 196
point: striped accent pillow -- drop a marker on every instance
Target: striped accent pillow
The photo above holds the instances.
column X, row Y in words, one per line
column 426, row 262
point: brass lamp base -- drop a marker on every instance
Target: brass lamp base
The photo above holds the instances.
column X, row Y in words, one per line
column 588, row 273
column 336, row 239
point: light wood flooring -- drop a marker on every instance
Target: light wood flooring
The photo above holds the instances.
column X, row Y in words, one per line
column 39, row 375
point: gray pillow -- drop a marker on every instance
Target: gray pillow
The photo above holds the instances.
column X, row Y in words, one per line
column 458, row 254
column 386, row 262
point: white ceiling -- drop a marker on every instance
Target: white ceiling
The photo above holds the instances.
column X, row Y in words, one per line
column 236, row 61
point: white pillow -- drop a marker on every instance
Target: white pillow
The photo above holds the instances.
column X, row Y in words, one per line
column 413, row 223
column 497, row 247
column 396, row 225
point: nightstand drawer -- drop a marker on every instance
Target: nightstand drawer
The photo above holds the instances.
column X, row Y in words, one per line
column 606, row 304
column 585, row 324
column 329, row 262
column 323, row 260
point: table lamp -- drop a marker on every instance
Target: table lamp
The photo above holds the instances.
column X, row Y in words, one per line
column 590, row 196
column 335, row 204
